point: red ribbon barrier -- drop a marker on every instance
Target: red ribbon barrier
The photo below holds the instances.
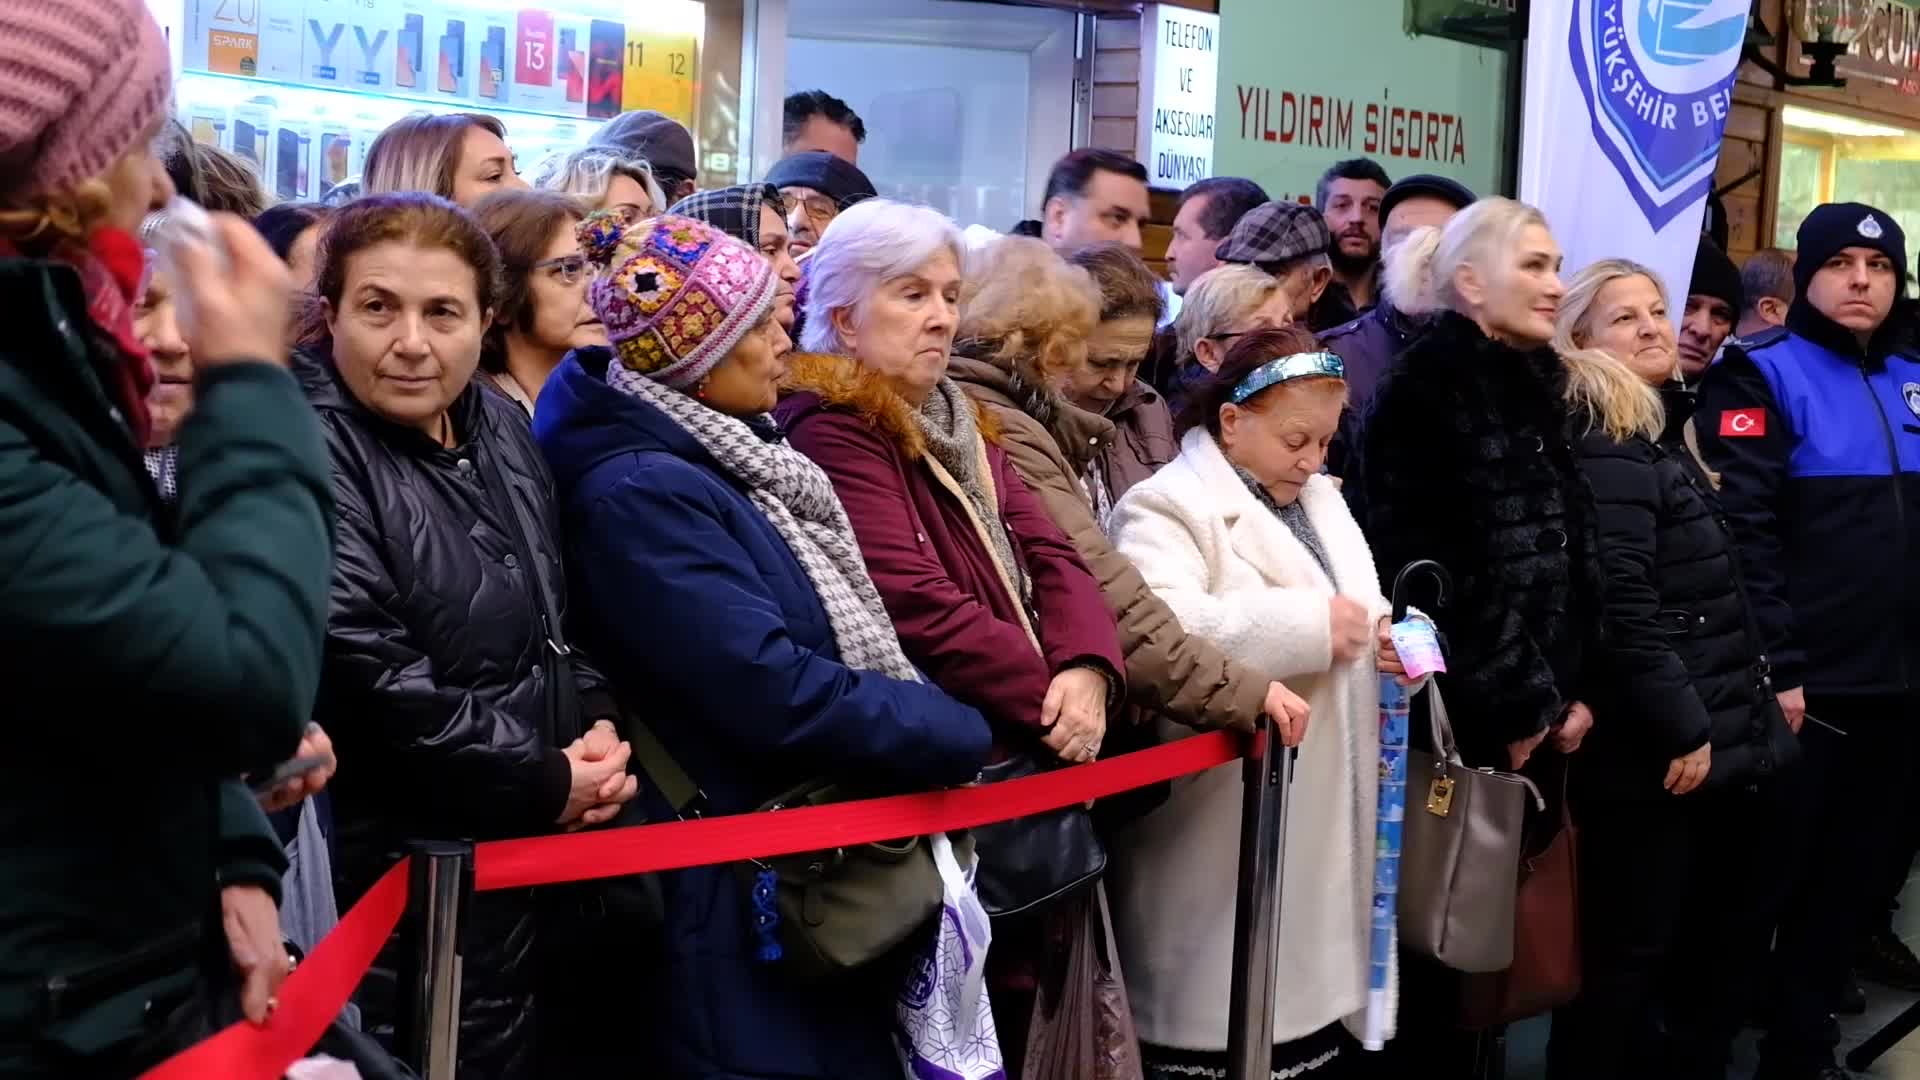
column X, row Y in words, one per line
column 310, row 998
column 642, row 849
column 314, row 994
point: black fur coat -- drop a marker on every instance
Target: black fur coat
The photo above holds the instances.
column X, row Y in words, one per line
column 1466, row 460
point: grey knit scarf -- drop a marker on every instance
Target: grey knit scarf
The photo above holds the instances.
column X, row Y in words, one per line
column 1294, row 517
column 799, row 501
column 953, row 438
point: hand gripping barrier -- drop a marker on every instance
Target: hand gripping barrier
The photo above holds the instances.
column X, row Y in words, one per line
column 313, row 995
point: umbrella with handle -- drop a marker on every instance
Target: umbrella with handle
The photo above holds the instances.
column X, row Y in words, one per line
column 1392, row 812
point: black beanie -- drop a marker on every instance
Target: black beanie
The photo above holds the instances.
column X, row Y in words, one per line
column 1833, row 226
column 836, row 179
column 1715, row 275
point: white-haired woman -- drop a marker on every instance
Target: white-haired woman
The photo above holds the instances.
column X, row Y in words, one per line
column 990, row 599
column 1222, row 305
column 1467, row 459
column 1676, row 784
column 603, row 179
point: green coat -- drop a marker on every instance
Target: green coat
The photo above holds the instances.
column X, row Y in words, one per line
column 151, row 656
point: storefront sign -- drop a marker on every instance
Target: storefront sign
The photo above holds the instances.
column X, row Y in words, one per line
column 1625, row 105
column 1179, row 79
column 1298, row 94
column 1887, row 46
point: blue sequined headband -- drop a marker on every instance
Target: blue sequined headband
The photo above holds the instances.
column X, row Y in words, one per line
column 1286, row 368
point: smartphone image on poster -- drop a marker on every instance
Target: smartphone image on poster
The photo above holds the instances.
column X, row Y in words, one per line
column 493, row 63
column 573, row 66
column 453, row 58
column 336, row 159
column 290, row 165
column 250, row 141
column 603, row 68
column 408, row 52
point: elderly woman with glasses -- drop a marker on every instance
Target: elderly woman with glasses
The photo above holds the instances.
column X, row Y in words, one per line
column 543, row 313
column 1222, row 305
column 1253, row 547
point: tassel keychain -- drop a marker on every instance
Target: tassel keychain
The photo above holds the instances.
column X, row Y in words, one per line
column 766, row 915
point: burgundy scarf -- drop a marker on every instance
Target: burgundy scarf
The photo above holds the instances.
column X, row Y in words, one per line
column 112, row 269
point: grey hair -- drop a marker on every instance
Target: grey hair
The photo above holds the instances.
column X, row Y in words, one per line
column 1219, row 298
column 589, row 171
column 871, row 243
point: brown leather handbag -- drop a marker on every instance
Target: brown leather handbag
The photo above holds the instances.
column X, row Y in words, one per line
column 1546, row 932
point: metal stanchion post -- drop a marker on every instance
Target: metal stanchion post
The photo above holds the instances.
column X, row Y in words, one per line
column 439, row 887
column 1256, row 921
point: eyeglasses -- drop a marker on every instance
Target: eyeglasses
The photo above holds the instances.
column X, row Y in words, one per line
column 567, row 269
column 819, row 208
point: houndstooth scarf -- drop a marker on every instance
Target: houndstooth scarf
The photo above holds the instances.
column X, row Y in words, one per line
column 798, row 500
column 953, row 438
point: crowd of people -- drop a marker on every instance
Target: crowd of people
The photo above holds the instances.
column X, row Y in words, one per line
column 464, row 507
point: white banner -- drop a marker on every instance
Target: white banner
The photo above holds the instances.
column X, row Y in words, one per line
column 1626, row 101
column 1179, row 71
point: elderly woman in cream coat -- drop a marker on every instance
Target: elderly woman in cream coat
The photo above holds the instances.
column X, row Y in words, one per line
column 1253, row 547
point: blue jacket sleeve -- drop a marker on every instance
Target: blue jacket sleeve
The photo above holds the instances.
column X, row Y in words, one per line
column 1753, row 488
column 702, row 623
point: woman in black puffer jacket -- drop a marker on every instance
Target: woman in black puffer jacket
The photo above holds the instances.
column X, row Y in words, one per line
column 1676, row 784
column 1465, row 459
column 447, row 684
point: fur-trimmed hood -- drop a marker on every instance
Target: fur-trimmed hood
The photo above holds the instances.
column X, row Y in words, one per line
column 839, row 382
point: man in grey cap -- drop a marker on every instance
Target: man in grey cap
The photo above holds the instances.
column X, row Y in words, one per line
column 660, row 141
column 1290, row 242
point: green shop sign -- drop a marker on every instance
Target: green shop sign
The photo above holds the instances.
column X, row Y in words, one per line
column 1298, row 94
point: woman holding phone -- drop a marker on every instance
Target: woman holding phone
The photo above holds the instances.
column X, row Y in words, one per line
column 193, row 631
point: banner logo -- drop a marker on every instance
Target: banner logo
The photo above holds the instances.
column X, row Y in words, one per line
column 1657, row 76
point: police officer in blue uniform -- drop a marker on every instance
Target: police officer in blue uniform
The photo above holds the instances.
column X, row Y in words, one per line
column 1815, row 431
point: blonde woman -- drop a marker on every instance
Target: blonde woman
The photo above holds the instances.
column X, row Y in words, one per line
column 1677, row 782
column 1467, row 458
column 457, row 156
column 184, row 644
column 603, row 179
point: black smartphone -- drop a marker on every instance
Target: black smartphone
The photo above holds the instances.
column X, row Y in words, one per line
column 263, row 783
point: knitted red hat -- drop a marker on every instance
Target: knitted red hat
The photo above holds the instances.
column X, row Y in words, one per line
column 81, row 81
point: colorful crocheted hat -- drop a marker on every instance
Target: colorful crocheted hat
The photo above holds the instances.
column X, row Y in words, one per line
column 675, row 295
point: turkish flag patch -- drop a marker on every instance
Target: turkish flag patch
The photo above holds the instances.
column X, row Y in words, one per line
column 1743, row 423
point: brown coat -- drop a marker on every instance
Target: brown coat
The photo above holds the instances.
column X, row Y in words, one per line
column 1143, row 439
column 1185, row 676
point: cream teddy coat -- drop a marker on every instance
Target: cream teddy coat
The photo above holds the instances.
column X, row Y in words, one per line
column 1235, row 574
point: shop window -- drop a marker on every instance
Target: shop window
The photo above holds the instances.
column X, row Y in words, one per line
column 301, row 87
column 1826, row 157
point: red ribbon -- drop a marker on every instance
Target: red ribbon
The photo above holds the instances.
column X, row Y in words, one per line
column 310, row 998
column 313, row 995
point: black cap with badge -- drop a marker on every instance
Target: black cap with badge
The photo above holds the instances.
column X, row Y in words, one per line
column 1833, row 227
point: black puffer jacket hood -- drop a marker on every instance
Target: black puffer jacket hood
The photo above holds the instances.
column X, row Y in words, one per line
column 435, row 688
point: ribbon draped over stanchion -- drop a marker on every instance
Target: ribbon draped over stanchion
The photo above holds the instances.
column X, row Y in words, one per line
column 314, row 994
